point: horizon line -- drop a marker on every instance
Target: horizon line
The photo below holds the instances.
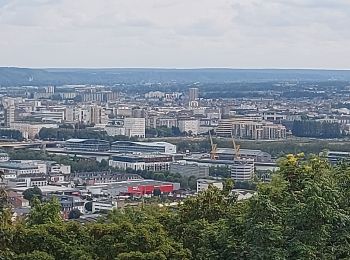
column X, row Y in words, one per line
column 176, row 68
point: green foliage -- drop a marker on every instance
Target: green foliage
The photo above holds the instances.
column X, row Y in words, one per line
column 35, row 255
column 163, row 131
column 304, row 213
column 31, row 193
column 185, row 182
column 88, row 206
column 44, row 212
column 74, row 214
column 220, row 171
column 11, row 134
column 84, row 133
column 312, row 128
column 77, row 164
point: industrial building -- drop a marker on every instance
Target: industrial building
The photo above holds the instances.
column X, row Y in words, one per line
column 190, row 169
column 136, row 188
column 93, row 145
column 143, row 147
column 257, row 155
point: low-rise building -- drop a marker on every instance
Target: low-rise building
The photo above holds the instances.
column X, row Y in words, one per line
column 14, row 169
column 92, row 145
column 203, row 184
column 149, row 162
column 68, row 203
column 104, row 205
column 190, row 169
column 31, row 130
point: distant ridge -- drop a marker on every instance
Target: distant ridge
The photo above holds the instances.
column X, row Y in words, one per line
column 10, row 76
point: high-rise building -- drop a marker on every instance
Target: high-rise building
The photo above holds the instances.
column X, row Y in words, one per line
column 193, row 97
column 9, row 116
column 97, row 115
column 135, row 127
column 193, row 94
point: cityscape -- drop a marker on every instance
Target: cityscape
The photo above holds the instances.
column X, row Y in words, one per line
column 167, row 161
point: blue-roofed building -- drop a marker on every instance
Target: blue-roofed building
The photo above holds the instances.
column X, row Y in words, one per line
column 143, row 147
column 92, row 145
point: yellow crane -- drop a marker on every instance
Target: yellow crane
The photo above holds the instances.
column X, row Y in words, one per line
column 236, row 148
column 214, row 149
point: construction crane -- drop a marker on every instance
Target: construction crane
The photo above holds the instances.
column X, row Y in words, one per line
column 236, row 148
column 214, row 149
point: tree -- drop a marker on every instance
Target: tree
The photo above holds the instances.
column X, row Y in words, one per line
column 31, row 193
column 44, row 212
column 74, row 214
column 35, row 255
column 157, row 192
column 88, row 206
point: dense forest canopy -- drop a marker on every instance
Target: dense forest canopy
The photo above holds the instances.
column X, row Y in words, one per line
column 304, row 213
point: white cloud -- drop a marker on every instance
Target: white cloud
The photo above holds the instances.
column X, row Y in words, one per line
column 175, row 33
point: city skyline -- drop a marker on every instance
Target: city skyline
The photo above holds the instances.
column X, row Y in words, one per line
column 175, row 34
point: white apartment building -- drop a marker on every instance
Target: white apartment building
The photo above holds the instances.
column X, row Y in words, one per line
column 104, row 205
column 135, row 127
column 190, row 125
column 147, row 162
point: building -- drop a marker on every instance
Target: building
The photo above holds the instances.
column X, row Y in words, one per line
column 336, row 156
column 257, row 155
column 224, row 128
column 56, row 168
column 30, row 130
column 134, row 188
column 273, row 116
column 68, row 203
column 193, row 94
column 13, row 169
column 190, row 169
column 242, row 169
column 17, row 200
column 167, row 122
column 27, row 182
column 97, row 115
column 9, row 116
column 4, row 157
column 247, row 129
column 150, row 162
column 91, row 145
column 203, row 184
column 135, row 127
column 94, row 178
column 190, row 126
column 143, row 147
column 104, row 205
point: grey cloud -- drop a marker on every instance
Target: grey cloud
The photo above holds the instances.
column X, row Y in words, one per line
column 170, row 33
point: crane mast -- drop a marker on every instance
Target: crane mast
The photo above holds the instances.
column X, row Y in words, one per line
column 214, row 148
column 236, row 148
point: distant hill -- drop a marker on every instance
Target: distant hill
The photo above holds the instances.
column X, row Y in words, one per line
column 22, row 76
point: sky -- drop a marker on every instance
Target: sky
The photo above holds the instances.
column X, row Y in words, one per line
column 175, row 33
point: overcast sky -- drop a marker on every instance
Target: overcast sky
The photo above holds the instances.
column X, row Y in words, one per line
column 175, row 33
